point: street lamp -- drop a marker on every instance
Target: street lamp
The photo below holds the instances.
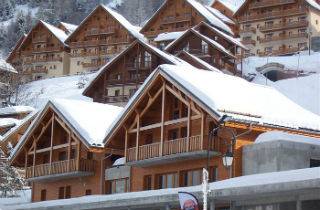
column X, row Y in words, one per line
column 227, row 159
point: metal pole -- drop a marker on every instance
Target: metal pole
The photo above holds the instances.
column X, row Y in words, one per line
column 205, row 188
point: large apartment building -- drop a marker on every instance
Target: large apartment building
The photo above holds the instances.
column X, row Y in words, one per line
column 103, row 34
column 42, row 53
column 269, row 27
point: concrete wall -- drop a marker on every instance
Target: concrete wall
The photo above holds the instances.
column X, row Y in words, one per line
column 278, row 156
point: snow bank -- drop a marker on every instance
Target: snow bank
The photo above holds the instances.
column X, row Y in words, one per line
column 283, row 136
column 23, row 197
column 120, row 161
column 16, row 110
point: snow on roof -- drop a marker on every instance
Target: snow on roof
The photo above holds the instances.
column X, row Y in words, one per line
column 273, row 178
column 70, row 27
column 217, row 13
column 226, row 36
column 4, row 66
column 119, row 161
column 133, row 30
column 168, row 36
column 16, row 110
column 8, row 122
column 314, row 4
column 232, row 5
column 213, row 20
column 273, row 136
column 57, row 32
column 240, row 99
column 202, row 62
column 90, row 119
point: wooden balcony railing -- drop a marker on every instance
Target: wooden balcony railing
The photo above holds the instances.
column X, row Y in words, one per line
column 284, row 37
column 248, row 42
column 39, row 60
column 47, row 49
column 139, row 65
column 172, row 19
column 281, row 51
column 108, row 30
column 248, row 30
column 274, row 14
column 117, row 99
column 126, row 80
column 94, row 64
column 269, row 3
column 286, row 25
column 39, row 39
column 60, row 167
column 170, row 147
column 98, row 42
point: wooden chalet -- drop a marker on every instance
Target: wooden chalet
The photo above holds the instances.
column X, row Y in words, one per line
column 68, row 28
column 44, row 53
column 62, row 151
column 103, row 34
column 164, row 130
column 117, row 81
column 180, row 15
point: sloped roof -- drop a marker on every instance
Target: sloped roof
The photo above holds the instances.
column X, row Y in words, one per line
column 133, row 30
column 228, row 4
column 168, row 36
column 166, row 56
column 16, row 47
column 222, row 94
column 217, row 13
column 70, row 27
column 202, row 10
column 16, row 110
column 4, row 66
column 202, row 37
column 87, row 119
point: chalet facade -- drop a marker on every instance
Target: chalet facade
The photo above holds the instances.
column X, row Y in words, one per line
column 100, row 36
column 43, row 52
column 278, row 28
column 117, row 81
column 209, row 44
column 62, row 151
column 165, row 129
column 179, row 15
column 14, row 57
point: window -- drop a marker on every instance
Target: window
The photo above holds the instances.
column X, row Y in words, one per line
column 167, row 181
column 314, row 163
column 68, row 192
column 64, row 192
column 88, row 192
column 89, row 155
column 119, row 186
column 173, row 134
column 147, row 182
column 62, row 156
column 116, row 92
column 78, row 63
column 43, row 195
column 61, row 193
column 191, row 178
column 213, row 174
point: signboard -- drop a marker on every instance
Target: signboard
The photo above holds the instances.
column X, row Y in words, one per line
column 188, row 201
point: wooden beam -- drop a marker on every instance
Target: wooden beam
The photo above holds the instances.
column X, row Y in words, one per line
column 150, row 102
column 125, row 142
column 34, row 158
column 63, row 125
column 78, row 156
column 188, row 127
column 51, row 143
column 203, row 120
column 69, row 151
column 162, row 118
column 54, row 148
column 26, row 161
column 177, row 95
column 137, row 137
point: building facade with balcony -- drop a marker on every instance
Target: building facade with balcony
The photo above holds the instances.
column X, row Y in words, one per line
column 102, row 35
column 43, row 53
column 271, row 27
column 62, row 151
column 210, row 45
column 180, row 15
column 165, row 129
column 117, row 82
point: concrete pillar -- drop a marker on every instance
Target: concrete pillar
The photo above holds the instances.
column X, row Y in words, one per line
column 212, row 205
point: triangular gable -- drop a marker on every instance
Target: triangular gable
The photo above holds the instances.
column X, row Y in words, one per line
column 133, row 30
column 170, row 59
column 59, row 34
column 201, row 10
column 75, row 121
column 16, row 47
column 206, row 39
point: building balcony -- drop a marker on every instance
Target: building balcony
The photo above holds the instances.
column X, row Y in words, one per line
column 199, row 52
column 270, row 3
column 61, row 170
column 139, row 78
column 275, row 14
column 40, row 60
column 42, row 39
column 91, row 43
column 36, row 70
column 281, row 51
column 173, row 150
column 136, row 66
column 93, row 64
column 248, row 42
column 248, row 30
column 170, row 20
column 283, row 26
column 284, row 37
column 47, row 49
column 94, row 32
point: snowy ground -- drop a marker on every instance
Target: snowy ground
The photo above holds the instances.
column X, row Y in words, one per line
column 37, row 93
column 23, row 197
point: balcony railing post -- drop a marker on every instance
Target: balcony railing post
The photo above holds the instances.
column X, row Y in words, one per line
column 137, row 136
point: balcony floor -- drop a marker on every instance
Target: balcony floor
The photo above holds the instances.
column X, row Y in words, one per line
column 172, row 158
column 55, row 177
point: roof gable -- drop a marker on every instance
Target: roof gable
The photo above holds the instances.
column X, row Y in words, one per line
column 133, row 30
column 16, row 47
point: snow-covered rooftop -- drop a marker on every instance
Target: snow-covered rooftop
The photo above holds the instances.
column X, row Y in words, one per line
column 89, row 119
column 212, row 19
column 57, row 32
column 70, row 27
column 242, row 100
column 233, row 5
column 16, row 110
column 168, row 36
column 8, row 122
column 273, row 136
column 314, row 4
column 4, row 66
column 217, row 13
